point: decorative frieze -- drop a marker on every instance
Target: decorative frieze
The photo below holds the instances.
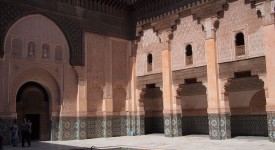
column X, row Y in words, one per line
column 149, row 79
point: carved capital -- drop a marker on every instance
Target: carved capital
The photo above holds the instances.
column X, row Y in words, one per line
column 210, row 25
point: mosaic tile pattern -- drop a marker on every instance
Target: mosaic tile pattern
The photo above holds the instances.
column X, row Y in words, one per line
column 140, row 125
column 249, row 125
column 82, row 128
column 271, row 126
column 219, row 126
column 56, row 129
column 107, row 126
column 168, row 128
column 177, row 125
column 195, row 125
column 7, row 123
column 70, row 128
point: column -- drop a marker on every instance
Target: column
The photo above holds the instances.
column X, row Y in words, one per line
column 107, row 109
column 269, row 42
column 169, row 117
column 177, row 111
column 138, row 120
column 267, row 13
column 218, row 112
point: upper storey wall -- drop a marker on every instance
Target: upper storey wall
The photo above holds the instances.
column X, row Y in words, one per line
column 239, row 17
column 188, row 28
column 188, row 32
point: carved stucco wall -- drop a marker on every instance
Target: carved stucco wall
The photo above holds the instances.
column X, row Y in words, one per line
column 153, row 102
column 39, row 30
column 239, row 17
column 107, row 63
column 188, row 32
column 149, row 43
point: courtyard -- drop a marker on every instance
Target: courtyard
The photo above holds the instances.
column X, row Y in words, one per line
column 157, row 142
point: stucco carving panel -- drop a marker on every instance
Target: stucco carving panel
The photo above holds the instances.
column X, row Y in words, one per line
column 188, row 32
column 119, row 98
column 94, row 98
column 149, row 37
column 149, row 43
column 119, row 62
column 95, row 51
column 239, row 17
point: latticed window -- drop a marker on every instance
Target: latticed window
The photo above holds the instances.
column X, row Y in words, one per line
column 188, row 55
column 45, row 51
column 149, row 62
column 16, row 47
column 239, row 44
column 58, row 53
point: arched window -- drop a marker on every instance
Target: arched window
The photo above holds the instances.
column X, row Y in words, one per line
column 16, row 47
column 31, row 49
column 239, row 44
column 188, row 55
column 45, row 51
column 149, row 62
column 58, row 53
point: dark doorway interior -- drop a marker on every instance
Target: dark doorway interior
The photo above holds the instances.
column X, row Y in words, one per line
column 35, row 129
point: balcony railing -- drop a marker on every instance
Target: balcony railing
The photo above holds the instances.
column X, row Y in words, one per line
column 240, row 50
column 188, row 60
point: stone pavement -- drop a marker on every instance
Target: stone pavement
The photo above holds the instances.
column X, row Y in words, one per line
column 157, row 142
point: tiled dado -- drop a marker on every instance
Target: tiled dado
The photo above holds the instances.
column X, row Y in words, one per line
column 195, row 125
column 219, row 126
column 7, row 124
column 271, row 126
column 140, row 127
column 172, row 125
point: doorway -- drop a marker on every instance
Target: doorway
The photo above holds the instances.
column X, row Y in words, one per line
column 32, row 103
column 35, row 128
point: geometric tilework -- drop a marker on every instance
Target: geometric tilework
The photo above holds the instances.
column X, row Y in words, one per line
column 271, row 126
column 195, row 125
column 139, row 122
column 119, row 126
column 219, row 126
column 249, row 125
column 172, row 125
column 107, row 126
column 8, row 122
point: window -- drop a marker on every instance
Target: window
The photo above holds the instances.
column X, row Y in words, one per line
column 45, row 51
column 239, row 44
column 31, row 49
column 149, row 62
column 188, row 55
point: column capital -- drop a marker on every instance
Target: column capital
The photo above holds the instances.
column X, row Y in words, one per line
column 210, row 25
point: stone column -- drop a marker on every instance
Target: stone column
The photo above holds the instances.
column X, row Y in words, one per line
column 107, row 109
column 177, row 111
column 138, row 120
column 218, row 114
column 167, row 83
column 267, row 9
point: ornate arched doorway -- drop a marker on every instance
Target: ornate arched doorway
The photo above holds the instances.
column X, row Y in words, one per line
column 32, row 103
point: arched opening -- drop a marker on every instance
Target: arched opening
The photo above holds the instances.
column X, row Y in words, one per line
column 32, row 103
column 239, row 44
column 188, row 55
column 153, row 107
column 149, row 62
column 194, row 107
column 247, row 104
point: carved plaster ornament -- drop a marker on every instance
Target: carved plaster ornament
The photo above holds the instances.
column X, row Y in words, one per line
column 31, row 49
column 260, row 9
column 273, row 6
column 210, row 25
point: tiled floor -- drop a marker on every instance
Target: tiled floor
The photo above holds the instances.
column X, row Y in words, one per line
column 157, row 142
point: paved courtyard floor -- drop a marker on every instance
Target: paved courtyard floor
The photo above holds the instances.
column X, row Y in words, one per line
column 157, row 142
